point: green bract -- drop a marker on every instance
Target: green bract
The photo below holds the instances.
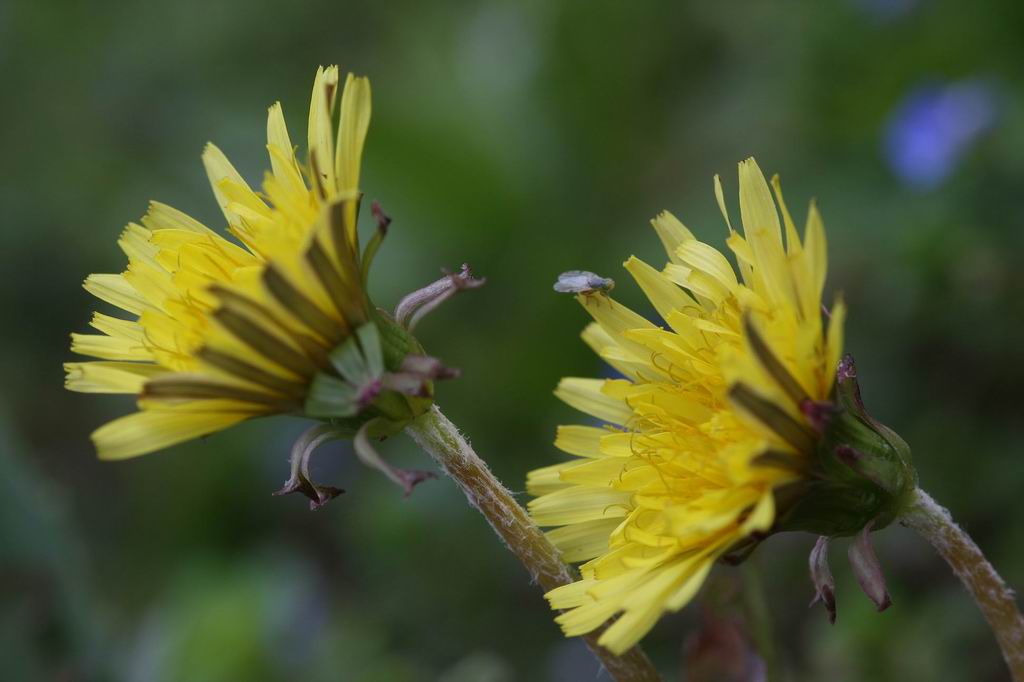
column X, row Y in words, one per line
column 862, row 473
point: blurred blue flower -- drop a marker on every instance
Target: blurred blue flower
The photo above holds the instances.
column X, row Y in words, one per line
column 932, row 128
column 887, row 10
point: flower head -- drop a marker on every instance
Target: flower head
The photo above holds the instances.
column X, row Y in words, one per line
column 714, row 433
column 212, row 330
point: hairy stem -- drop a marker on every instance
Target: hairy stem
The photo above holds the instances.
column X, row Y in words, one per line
column 442, row 440
column 993, row 597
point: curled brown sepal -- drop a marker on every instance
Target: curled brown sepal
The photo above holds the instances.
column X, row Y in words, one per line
column 415, row 374
column 821, row 577
column 867, row 570
column 407, row 479
column 417, row 305
column 383, row 220
column 846, row 373
column 300, row 481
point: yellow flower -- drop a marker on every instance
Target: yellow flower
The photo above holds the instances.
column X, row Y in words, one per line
column 715, row 414
column 219, row 331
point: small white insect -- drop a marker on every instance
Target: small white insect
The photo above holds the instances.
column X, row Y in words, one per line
column 583, row 282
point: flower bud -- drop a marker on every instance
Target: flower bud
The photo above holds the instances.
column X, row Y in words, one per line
column 861, row 472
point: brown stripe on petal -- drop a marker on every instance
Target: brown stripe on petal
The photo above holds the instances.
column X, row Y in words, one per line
column 198, row 387
column 336, row 221
column 251, row 308
column 299, row 304
column 318, row 180
column 777, row 459
column 774, row 417
column 330, row 88
column 346, row 299
column 772, row 364
column 251, row 373
column 264, row 343
column 338, row 216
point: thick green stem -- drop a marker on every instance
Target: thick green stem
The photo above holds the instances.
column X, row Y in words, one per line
column 993, row 597
column 442, row 440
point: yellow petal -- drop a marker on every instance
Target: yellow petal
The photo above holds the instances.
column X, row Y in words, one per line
column 113, row 326
column 135, row 244
column 580, row 542
column 720, row 198
column 709, row 260
column 587, row 617
column 355, row 121
column 665, row 296
column 608, row 350
column 745, row 258
column 546, row 479
column 282, row 154
column 835, row 342
column 152, row 283
column 321, row 137
column 761, row 228
column 574, row 594
column 706, row 288
column 582, row 441
column 598, row 473
column 163, row 217
column 616, row 319
column 757, row 209
column 762, row 516
column 578, row 504
column 688, row 590
column 115, row 290
column 219, row 169
column 671, row 232
column 637, row 621
column 793, row 246
column 109, row 377
column 151, row 430
column 586, row 396
column 815, row 262
column 109, row 347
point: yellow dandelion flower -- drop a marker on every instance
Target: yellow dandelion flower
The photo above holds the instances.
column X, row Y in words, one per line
column 212, row 330
column 716, row 414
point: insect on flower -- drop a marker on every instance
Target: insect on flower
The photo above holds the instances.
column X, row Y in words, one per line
column 583, row 282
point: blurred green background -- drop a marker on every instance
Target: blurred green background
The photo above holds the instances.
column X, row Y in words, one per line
column 525, row 138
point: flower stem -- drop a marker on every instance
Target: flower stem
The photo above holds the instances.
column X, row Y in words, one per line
column 441, row 439
column 994, row 598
